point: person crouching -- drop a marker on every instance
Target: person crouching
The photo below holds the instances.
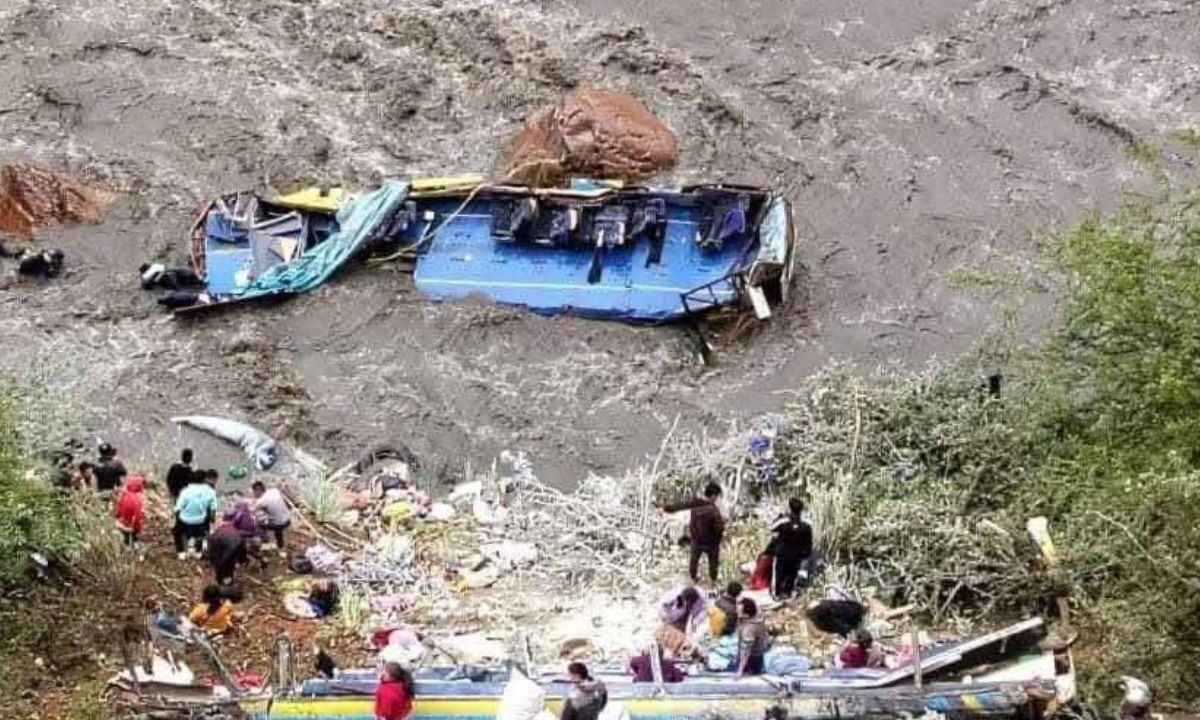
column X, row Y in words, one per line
column 226, row 550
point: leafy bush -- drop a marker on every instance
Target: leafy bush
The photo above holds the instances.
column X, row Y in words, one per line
column 925, row 480
column 33, row 517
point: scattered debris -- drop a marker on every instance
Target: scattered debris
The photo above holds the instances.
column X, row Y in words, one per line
column 36, row 263
column 258, row 446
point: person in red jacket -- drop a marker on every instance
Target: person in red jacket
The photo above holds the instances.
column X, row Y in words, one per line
column 394, row 695
column 130, row 511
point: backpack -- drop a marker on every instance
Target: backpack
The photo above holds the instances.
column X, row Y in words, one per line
column 717, row 621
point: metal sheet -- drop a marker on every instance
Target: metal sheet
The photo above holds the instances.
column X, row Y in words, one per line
column 464, row 260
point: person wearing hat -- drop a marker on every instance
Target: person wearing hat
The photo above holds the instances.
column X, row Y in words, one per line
column 110, row 472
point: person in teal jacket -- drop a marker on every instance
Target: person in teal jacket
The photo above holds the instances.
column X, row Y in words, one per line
column 195, row 510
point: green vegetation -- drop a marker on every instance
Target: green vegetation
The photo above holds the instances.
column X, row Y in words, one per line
column 1116, row 432
column 88, row 703
column 1144, row 152
column 32, row 515
column 983, row 280
column 923, row 482
column 1189, row 136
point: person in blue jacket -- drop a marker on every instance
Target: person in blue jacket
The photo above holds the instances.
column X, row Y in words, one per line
column 195, row 509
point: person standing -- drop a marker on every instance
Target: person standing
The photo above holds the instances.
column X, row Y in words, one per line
column 706, row 528
column 130, row 513
column 587, row 697
column 226, row 550
column 180, row 474
column 110, row 472
column 195, row 509
column 277, row 517
column 791, row 544
column 395, row 693
column 242, row 517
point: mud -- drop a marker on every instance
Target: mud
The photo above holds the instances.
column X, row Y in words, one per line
column 919, row 142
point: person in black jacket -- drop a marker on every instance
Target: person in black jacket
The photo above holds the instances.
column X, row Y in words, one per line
column 180, row 474
column 110, row 472
column 706, row 527
column 587, row 697
column 791, row 544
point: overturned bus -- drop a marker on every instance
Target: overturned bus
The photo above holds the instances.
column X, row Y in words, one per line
column 595, row 249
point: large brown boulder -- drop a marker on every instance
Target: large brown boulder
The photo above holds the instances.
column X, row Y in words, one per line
column 591, row 132
column 32, row 197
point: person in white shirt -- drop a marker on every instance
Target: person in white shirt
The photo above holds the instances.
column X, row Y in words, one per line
column 275, row 511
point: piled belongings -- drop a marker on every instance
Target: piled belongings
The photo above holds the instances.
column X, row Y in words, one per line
column 608, row 532
column 761, row 447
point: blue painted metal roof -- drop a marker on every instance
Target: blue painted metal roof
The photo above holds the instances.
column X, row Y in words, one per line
column 459, row 254
column 465, row 260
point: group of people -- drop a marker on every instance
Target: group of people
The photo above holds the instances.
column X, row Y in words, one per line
column 396, row 691
column 784, row 566
column 104, row 475
column 687, row 613
column 230, row 539
column 787, row 558
column 239, row 536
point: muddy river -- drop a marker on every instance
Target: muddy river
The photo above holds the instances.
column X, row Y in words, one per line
column 928, row 146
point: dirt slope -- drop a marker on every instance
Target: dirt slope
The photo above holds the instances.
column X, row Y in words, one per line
column 916, row 139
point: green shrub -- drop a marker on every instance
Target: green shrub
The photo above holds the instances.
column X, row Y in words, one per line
column 926, row 481
column 33, row 517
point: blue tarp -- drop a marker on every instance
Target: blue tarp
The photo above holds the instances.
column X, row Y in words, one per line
column 357, row 221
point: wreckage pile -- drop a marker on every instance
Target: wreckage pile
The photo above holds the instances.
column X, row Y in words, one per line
column 503, row 549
